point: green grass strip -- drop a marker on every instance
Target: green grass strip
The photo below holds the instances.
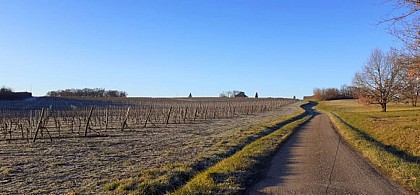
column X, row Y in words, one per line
column 230, row 175
column 404, row 172
column 174, row 175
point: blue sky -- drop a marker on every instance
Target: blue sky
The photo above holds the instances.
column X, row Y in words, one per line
column 280, row 48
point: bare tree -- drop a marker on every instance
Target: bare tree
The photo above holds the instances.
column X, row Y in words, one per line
column 232, row 94
column 226, row 94
column 410, row 71
column 346, row 92
column 405, row 25
column 379, row 80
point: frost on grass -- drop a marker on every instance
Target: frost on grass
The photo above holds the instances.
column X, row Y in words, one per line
column 87, row 164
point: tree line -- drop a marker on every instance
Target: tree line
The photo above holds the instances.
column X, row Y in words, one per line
column 389, row 76
column 5, row 90
column 8, row 94
column 87, row 92
column 386, row 77
column 345, row 92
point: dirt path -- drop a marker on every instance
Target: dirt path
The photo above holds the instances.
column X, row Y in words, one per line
column 315, row 161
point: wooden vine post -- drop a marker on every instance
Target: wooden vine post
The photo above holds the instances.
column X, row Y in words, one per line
column 106, row 119
column 169, row 114
column 88, row 121
column 195, row 114
column 124, row 123
column 38, row 126
column 185, row 114
column 148, row 117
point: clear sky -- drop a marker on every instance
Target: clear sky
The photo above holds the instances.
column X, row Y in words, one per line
column 278, row 48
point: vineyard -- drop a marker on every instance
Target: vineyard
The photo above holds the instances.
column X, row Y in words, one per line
column 61, row 118
column 53, row 146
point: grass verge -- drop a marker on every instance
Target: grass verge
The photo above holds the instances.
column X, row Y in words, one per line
column 389, row 140
column 231, row 174
column 172, row 176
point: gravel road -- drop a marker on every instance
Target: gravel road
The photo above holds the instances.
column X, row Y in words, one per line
column 316, row 161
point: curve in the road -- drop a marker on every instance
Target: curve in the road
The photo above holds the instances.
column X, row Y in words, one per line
column 316, row 161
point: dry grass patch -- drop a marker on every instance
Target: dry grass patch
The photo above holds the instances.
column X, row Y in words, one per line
column 391, row 140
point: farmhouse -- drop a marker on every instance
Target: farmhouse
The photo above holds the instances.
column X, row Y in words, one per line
column 241, row 94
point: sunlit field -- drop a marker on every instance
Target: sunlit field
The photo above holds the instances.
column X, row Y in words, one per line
column 158, row 143
column 391, row 140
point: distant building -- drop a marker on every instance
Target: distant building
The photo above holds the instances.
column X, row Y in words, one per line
column 308, row 97
column 241, row 94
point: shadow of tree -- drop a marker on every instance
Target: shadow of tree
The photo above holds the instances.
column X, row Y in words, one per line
column 389, row 148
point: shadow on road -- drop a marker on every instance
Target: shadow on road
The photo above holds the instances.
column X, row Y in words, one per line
column 284, row 168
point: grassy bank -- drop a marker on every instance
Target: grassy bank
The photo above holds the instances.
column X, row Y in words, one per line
column 172, row 176
column 230, row 175
column 390, row 140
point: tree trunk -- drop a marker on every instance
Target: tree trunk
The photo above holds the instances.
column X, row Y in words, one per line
column 383, row 105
